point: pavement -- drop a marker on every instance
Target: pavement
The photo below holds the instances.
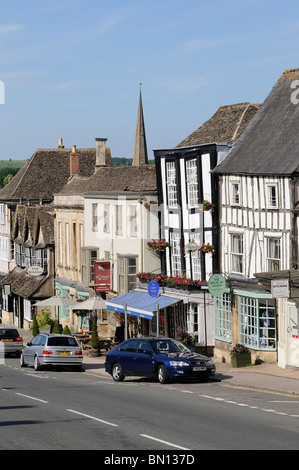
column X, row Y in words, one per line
column 266, row 376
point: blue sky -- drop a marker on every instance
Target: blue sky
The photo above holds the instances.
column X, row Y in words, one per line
column 73, row 68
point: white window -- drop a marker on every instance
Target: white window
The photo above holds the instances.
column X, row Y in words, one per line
column 176, row 266
column 89, row 256
column 235, row 193
column 171, row 184
column 119, row 219
column 236, row 253
column 273, row 254
column 195, row 258
column 192, row 182
column 2, row 214
column 67, row 244
column 127, row 273
column 106, row 227
column 271, row 196
column 94, row 222
column 60, row 255
column 133, row 228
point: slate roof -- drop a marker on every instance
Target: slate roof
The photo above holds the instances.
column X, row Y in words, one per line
column 126, row 178
column 226, row 125
column 270, row 143
column 46, row 172
column 29, row 221
column 23, row 284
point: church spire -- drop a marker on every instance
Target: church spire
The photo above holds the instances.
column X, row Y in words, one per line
column 140, row 150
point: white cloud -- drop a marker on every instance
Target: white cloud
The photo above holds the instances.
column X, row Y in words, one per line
column 9, row 28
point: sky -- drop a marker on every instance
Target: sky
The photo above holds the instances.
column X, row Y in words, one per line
column 73, row 69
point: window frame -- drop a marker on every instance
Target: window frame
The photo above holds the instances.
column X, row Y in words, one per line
column 237, row 255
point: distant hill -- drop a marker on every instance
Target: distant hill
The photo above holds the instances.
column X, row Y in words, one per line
column 119, row 161
column 12, row 163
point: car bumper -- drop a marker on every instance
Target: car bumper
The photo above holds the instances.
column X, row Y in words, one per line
column 10, row 347
column 65, row 361
column 191, row 372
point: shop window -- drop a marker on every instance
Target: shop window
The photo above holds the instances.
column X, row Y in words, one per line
column 223, row 320
column 257, row 323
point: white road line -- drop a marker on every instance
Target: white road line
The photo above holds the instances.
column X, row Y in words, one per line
column 32, row 398
column 164, row 442
column 92, row 417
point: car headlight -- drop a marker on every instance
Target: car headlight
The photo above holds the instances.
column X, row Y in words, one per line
column 210, row 363
column 178, row 363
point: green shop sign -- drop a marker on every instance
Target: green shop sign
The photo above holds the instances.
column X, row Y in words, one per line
column 217, row 285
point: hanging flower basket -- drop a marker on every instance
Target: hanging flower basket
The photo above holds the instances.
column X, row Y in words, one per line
column 191, row 247
column 151, row 205
column 170, row 281
column 207, row 248
column 158, row 245
column 207, row 206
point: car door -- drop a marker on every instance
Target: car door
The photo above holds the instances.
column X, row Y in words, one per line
column 144, row 359
column 33, row 348
column 126, row 356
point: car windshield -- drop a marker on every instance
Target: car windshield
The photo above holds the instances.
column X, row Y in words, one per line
column 168, row 346
column 62, row 341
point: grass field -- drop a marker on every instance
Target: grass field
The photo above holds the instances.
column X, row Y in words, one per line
column 12, row 163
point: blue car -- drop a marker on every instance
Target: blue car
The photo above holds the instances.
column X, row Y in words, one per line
column 162, row 358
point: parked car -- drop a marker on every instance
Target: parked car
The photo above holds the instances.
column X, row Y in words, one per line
column 163, row 358
column 10, row 340
column 52, row 350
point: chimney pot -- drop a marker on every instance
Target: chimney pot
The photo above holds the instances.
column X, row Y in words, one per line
column 74, row 162
column 60, row 143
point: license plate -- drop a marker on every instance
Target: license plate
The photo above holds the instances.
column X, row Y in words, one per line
column 6, row 339
column 63, row 353
column 197, row 369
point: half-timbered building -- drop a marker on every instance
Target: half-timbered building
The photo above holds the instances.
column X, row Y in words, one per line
column 188, row 203
column 259, row 227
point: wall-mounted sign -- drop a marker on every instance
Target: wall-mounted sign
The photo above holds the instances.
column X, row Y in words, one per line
column 217, row 285
column 102, row 276
column 153, row 288
column 280, row 288
column 35, row 270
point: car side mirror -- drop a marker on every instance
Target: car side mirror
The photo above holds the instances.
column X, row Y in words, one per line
column 29, row 344
column 146, row 351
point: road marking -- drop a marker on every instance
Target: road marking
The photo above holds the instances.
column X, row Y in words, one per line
column 164, row 442
column 257, row 390
column 92, row 417
column 32, row 398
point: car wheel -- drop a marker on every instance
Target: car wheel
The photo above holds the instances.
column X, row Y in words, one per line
column 117, row 373
column 22, row 361
column 162, row 374
column 36, row 364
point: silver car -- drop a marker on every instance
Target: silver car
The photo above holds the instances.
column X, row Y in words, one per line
column 10, row 341
column 52, row 350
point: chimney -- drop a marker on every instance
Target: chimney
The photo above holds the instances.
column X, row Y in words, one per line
column 100, row 152
column 74, row 162
column 60, row 144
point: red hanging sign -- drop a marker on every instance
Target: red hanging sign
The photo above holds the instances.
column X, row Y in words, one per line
column 102, row 276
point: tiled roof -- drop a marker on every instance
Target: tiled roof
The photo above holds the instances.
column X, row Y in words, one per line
column 226, row 125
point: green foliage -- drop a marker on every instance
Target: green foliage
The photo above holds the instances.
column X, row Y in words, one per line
column 5, row 173
column 34, row 326
column 66, row 330
column 44, row 319
column 56, row 329
column 94, row 342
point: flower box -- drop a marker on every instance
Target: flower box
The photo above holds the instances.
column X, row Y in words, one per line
column 241, row 359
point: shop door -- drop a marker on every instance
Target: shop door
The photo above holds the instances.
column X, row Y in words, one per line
column 293, row 336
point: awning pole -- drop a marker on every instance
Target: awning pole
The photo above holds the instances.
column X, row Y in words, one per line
column 126, row 323
column 157, row 307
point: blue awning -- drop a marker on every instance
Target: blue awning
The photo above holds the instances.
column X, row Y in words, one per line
column 140, row 304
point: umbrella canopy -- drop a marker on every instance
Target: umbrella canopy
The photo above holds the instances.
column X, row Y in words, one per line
column 94, row 303
column 56, row 301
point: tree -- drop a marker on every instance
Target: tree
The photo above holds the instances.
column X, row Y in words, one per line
column 56, row 329
column 66, row 330
column 95, row 343
column 34, row 326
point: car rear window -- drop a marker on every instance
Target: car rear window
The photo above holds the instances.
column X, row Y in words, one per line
column 62, row 341
column 8, row 333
